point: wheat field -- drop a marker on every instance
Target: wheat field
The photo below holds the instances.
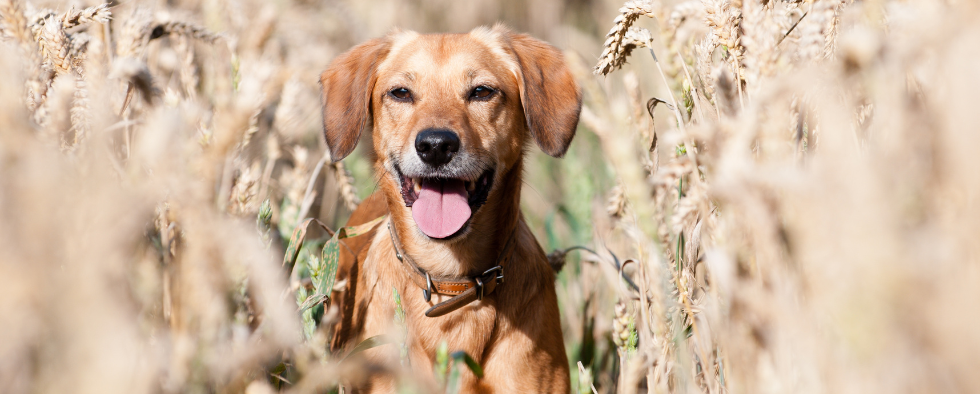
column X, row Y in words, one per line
column 763, row 196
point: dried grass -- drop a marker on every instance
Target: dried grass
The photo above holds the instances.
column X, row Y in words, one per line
column 799, row 214
column 791, row 230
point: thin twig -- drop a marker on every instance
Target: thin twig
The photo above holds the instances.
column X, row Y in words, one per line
column 121, row 124
column 694, row 90
column 677, row 111
column 615, row 263
column 791, row 28
column 310, row 194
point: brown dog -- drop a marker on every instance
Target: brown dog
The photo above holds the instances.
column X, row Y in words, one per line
column 451, row 117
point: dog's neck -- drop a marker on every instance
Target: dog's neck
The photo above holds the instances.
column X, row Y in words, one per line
column 480, row 248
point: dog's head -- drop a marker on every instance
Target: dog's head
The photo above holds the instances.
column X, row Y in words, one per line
column 451, row 114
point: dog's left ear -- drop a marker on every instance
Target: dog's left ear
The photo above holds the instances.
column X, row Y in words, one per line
column 347, row 86
column 551, row 98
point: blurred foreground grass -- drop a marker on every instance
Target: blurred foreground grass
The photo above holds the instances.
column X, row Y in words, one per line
column 789, row 186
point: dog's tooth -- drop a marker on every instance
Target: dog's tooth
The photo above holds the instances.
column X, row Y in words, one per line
column 470, row 186
column 417, row 184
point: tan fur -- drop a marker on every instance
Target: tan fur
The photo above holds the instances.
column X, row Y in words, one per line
column 513, row 333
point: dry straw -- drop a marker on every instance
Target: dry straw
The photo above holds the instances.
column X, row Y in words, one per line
column 793, row 204
column 619, row 41
column 754, row 234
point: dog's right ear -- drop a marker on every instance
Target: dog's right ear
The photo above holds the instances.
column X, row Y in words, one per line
column 347, row 85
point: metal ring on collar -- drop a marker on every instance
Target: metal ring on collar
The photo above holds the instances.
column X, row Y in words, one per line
column 427, row 291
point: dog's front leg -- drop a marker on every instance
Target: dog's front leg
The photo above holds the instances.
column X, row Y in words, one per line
column 528, row 355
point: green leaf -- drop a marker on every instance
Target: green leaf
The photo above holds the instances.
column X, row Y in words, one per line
column 400, row 327
column 323, row 271
column 288, row 216
column 470, row 362
column 399, row 310
column 309, row 324
column 361, row 229
column 264, row 219
column 330, row 255
column 295, row 242
column 633, row 338
column 308, row 260
column 329, row 260
column 452, row 386
column 442, row 361
column 277, row 372
column 312, row 301
column 585, row 379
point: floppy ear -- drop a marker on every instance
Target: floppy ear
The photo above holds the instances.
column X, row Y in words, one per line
column 347, row 85
column 551, row 97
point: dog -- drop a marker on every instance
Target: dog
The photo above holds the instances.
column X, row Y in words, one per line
column 450, row 118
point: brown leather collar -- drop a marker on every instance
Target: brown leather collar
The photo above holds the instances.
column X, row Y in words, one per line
column 465, row 290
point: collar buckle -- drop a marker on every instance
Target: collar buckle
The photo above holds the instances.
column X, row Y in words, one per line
column 479, row 289
column 500, row 273
column 494, row 274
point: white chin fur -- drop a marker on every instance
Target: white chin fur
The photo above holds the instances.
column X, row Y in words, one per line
column 463, row 166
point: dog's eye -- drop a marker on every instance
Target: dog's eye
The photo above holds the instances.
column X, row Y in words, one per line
column 482, row 92
column 401, row 94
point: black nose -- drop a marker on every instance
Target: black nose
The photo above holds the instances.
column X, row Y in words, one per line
column 436, row 146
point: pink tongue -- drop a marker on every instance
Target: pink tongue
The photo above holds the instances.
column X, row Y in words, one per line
column 442, row 207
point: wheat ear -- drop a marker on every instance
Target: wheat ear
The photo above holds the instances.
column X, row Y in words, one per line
column 617, row 48
column 97, row 14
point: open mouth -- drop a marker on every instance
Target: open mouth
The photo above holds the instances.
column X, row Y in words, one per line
column 442, row 207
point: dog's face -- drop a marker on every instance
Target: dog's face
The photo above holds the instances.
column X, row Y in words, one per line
column 451, row 115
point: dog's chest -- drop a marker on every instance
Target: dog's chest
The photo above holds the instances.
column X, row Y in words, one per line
column 469, row 329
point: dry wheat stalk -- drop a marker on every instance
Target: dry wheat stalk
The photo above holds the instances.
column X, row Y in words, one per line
column 298, row 111
column 15, row 22
column 78, row 47
column 636, row 38
column 52, row 40
column 253, row 127
column 702, row 62
column 830, row 42
column 137, row 74
column 616, row 204
column 615, row 51
column 56, row 121
column 79, row 113
column 13, row 18
column 815, row 29
column 65, row 54
column 680, row 13
column 141, row 27
column 676, row 34
column 761, row 28
column 246, row 186
column 294, row 184
column 260, row 30
column 725, row 19
column 185, row 29
column 345, row 182
column 817, row 258
column 188, row 71
column 134, row 33
column 97, row 14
